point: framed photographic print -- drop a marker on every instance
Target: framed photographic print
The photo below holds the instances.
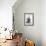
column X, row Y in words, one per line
column 28, row 19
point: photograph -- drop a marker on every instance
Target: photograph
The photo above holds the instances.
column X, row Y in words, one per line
column 28, row 19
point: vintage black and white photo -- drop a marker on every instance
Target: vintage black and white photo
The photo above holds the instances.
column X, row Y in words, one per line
column 28, row 19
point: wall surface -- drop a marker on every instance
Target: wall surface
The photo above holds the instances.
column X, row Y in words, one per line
column 43, row 22
column 6, row 13
column 29, row 32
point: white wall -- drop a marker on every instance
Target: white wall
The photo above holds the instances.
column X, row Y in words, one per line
column 43, row 22
column 6, row 13
column 30, row 32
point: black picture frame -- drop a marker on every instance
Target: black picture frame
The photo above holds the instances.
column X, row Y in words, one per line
column 28, row 19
